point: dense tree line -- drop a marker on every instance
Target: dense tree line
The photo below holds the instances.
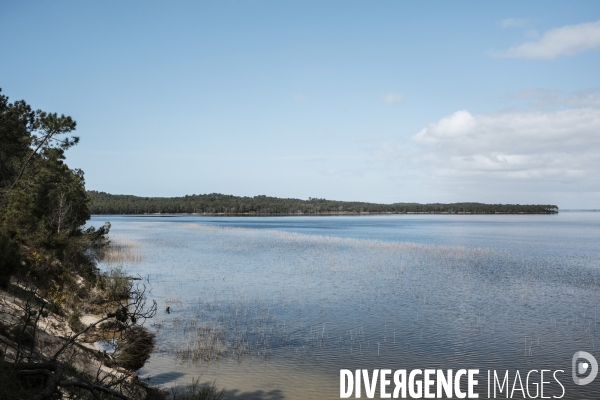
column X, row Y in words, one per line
column 43, row 203
column 214, row 203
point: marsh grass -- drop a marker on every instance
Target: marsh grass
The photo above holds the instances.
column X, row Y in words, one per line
column 206, row 344
column 196, row 391
column 120, row 251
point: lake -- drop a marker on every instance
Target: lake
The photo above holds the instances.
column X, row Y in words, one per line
column 274, row 307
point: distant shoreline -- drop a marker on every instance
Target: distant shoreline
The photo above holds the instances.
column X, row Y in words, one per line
column 221, row 204
column 331, row 214
column 578, row 210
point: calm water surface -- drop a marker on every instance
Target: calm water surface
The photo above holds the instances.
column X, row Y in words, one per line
column 274, row 307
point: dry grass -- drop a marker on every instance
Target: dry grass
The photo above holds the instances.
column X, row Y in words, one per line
column 195, row 391
column 120, row 251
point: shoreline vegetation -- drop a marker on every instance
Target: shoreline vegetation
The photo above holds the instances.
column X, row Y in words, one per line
column 55, row 301
column 221, row 204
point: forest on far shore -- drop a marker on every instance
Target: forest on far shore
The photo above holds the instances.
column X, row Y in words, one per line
column 215, row 203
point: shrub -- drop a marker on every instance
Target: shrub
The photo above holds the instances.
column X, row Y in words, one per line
column 75, row 321
column 57, row 299
column 117, row 283
column 134, row 348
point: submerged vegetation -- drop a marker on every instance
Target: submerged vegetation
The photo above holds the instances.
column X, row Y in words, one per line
column 227, row 324
column 196, row 391
column 276, row 299
column 215, row 203
column 119, row 252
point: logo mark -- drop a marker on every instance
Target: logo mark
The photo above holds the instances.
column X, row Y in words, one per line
column 580, row 368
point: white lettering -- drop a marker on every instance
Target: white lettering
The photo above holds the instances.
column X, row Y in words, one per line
column 400, row 384
column 563, row 388
column 411, row 384
column 427, row 382
column 517, row 375
column 504, row 382
column 370, row 386
column 472, row 383
column 384, row 382
column 537, row 390
column 542, row 384
column 346, row 390
column 445, row 383
column 459, row 373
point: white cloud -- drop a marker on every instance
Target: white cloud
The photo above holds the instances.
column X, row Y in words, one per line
column 547, row 154
column 458, row 124
column 518, row 145
column 392, row 99
column 567, row 40
column 513, row 22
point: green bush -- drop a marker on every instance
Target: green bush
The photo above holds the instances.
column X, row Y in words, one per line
column 117, row 283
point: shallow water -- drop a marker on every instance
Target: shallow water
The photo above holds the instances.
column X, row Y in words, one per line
column 274, row 307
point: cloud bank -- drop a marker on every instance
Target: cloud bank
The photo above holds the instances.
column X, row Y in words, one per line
column 567, row 40
column 558, row 145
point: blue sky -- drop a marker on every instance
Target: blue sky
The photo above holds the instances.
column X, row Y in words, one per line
column 374, row 101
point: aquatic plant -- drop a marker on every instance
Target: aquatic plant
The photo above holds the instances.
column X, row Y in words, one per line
column 196, row 391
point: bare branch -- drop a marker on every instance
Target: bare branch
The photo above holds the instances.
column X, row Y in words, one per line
column 93, row 388
column 71, row 340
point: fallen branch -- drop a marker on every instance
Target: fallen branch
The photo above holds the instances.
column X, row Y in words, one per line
column 93, row 388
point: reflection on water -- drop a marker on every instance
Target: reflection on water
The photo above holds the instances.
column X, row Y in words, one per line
column 275, row 307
